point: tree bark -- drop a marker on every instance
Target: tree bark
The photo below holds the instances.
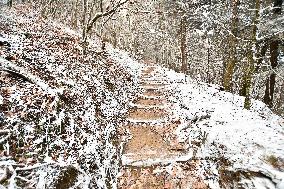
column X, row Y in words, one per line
column 183, row 46
column 230, row 67
column 270, row 82
column 274, row 45
column 250, row 67
column 10, row 3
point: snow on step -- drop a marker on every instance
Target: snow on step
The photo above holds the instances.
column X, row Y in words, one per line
column 140, row 161
column 154, row 92
column 157, row 87
column 146, row 121
column 149, row 106
column 154, row 80
column 145, row 143
column 151, row 101
column 151, row 97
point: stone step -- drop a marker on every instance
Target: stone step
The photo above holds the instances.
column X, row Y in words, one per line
column 153, row 85
column 153, row 92
column 147, row 114
column 153, row 147
column 150, row 100
column 151, row 97
column 153, row 82
column 153, row 76
column 145, row 143
column 181, row 175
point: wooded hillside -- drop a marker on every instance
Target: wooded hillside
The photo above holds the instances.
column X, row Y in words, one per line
column 129, row 94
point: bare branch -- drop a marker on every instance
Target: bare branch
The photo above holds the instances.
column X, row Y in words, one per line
column 101, row 14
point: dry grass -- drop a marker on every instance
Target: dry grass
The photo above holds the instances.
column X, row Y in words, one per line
column 275, row 162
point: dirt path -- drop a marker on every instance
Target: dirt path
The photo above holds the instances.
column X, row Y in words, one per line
column 153, row 158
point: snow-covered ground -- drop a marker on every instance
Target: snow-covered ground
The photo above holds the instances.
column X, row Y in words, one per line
column 245, row 142
column 237, row 148
column 76, row 133
column 68, row 137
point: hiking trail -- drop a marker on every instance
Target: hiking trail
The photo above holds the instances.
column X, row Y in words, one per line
column 153, row 157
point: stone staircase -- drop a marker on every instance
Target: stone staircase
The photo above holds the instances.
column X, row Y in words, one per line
column 153, row 158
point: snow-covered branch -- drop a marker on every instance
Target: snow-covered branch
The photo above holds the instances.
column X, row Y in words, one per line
column 102, row 14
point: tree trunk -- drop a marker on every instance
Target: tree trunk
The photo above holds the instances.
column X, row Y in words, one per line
column 208, row 61
column 270, row 82
column 74, row 17
column 10, row 3
column 230, row 67
column 261, row 55
column 183, row 46
column 278, row 6
column 85, row 25
column 274, row 45
column 249, row 68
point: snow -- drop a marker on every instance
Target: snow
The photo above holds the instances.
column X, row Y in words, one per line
column 77, row 103
column 159, row 161
column 215, row 119
column 247, row 137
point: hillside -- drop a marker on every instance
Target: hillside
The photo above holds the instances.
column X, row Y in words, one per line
column 105, row 120
column 60, row 110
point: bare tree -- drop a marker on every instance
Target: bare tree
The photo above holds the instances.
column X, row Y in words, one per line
column 250, row 66
column 10, row 3
column 274, row 53
column 230, row 67
column 183, row 29
column 103, row 12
